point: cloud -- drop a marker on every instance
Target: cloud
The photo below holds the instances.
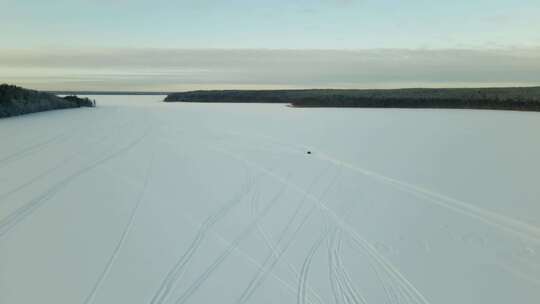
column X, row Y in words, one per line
column 173, row 69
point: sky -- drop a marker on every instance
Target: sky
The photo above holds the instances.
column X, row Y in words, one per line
column 193, row 44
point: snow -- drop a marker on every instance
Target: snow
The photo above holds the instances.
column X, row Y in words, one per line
column 139, row 201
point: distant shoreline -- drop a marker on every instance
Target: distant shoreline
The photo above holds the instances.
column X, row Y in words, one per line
column 509, row 98
column 106, row 93
column 513, row 98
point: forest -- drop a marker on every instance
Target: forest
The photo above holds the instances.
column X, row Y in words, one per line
column 15, row 101
column 515, row 98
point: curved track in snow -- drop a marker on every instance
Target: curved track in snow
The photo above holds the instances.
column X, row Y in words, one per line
column 139, row 201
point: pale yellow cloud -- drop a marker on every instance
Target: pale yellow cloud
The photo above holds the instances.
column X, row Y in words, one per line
column 174, row 69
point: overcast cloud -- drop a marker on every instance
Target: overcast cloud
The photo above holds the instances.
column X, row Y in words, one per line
column 170, row 69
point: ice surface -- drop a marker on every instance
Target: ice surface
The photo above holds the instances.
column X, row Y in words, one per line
column 139, row 201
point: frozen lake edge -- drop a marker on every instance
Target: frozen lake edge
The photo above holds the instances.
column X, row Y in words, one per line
column 139, row 201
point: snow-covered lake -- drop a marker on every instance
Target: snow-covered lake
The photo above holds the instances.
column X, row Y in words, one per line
column 139, row 201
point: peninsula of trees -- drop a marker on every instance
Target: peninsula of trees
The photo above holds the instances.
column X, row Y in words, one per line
column 15, row 100
column 516, row 98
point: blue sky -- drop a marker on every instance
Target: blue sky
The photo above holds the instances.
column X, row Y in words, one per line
column 326, row 24
column 104, row 29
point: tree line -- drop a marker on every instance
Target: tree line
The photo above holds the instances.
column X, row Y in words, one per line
column 517, row 98
column 15, row 100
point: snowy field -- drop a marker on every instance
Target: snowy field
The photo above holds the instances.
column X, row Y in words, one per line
column 139, row 201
